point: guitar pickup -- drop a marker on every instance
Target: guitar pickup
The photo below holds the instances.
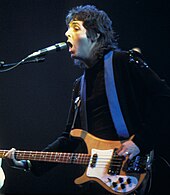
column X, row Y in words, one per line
column 94, row 160
column 115, row 163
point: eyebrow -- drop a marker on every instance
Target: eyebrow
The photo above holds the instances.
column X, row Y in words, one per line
column 74, row 22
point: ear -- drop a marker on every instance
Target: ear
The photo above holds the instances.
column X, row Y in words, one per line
column 97, row 35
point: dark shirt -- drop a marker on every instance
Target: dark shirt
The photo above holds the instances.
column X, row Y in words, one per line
column 98, row 114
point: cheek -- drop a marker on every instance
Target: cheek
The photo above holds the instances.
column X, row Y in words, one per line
column 81, row 46
column 80, row 43
column 82, row 38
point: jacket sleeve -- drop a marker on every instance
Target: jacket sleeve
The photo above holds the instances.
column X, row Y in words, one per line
column 155, row 119
column 64, row 143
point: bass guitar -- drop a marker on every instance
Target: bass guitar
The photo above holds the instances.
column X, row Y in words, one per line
column 116, row 174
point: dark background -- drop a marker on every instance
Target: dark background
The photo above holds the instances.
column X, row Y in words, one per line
column 34, row 98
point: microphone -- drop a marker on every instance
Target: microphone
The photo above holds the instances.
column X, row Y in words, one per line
column 56, row 47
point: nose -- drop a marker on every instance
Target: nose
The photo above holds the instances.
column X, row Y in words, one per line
column 67, row 33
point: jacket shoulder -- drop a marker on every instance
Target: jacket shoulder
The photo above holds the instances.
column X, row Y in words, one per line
column 132, row 57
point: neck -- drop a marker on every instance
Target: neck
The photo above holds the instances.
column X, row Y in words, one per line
column 89, row 63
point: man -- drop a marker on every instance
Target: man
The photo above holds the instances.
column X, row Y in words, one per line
column 113, row 100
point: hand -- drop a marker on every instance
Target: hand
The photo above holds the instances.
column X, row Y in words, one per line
column 128, row 148
column 2, row 175
column 10, row 155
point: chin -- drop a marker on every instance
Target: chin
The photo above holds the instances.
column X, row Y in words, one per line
column 74, row 56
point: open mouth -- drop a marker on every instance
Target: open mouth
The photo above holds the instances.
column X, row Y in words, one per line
column 69, row 44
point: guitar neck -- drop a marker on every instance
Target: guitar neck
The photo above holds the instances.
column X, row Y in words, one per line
column 69, row 158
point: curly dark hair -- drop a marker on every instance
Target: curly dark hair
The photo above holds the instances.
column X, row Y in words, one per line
column 96, row 22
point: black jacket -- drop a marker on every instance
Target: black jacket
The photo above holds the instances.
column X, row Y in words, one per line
column 144, row 100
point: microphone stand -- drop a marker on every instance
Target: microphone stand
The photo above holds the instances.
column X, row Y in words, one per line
column 34, row 57
column 24, row 61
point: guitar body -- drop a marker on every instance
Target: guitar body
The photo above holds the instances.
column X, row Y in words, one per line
column 105, row 167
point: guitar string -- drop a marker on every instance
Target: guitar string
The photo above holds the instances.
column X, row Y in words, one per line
column 66, row 155
column 72, row 157
column 77, row 158
column 85, row 159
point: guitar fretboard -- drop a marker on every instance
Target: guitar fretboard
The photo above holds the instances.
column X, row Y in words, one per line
column 70, row 158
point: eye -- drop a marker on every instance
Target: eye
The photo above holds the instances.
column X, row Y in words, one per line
column 76, row 27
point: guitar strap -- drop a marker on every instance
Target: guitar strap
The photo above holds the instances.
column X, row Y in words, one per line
column 112, row 97
column 83, row 113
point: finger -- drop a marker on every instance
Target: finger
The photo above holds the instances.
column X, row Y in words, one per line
column 123, row 153
column 131, row 156
column 10, row 153
column 119, row 149
column 126, row 154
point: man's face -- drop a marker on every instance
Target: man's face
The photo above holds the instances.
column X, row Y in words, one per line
column 80, row 46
